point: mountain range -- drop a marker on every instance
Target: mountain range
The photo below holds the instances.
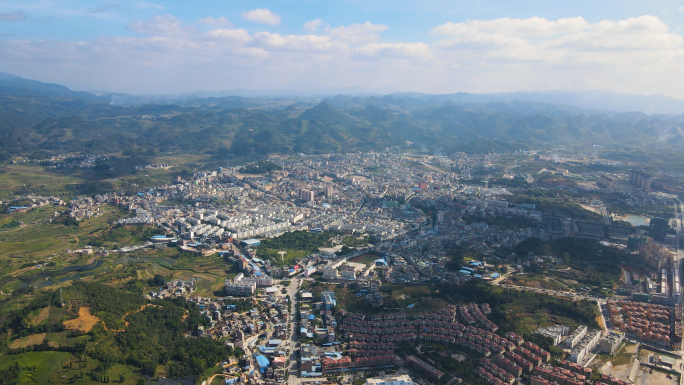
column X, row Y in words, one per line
column 38, row 119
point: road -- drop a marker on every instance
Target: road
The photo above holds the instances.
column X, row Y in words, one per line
column 502, row 277
column 678, row 216
column 606, row 215
column 291, row 345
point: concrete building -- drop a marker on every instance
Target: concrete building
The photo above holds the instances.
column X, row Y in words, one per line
column 611, row 342
column 403, row 379
column 240, row 286
column 573, row 339
column 329, row 273
column 556, row 333
column 348, row 272
column 328, row 299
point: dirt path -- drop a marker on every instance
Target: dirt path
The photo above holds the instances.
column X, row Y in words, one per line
column 86, row 321
column 126, row 315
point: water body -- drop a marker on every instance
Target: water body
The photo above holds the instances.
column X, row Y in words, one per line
column 636, row 220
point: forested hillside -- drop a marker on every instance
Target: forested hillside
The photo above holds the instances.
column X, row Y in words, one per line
column 39, row 119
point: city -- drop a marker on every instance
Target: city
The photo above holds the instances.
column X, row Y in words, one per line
column 341, row 193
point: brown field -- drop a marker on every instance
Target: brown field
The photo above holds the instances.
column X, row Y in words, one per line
column 41, row 317
column 33, row 339
column 85, row 321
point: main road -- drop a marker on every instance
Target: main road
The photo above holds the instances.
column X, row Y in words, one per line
column 291, row 345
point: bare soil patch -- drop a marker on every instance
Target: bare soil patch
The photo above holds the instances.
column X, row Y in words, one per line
column 85, row 321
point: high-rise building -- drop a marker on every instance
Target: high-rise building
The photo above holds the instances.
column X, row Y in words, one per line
column 645, row 182
column 306, row 195
column 328, row 191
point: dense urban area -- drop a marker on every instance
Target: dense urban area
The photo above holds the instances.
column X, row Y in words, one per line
column 383, row 268
column 352, row 240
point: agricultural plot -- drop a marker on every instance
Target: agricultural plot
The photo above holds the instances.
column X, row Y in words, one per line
column 37, row 367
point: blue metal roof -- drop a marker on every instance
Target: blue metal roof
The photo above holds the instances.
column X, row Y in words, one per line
column 262, row 361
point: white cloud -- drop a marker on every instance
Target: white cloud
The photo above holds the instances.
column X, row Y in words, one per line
column 642, row 33
column 637, row 55
column 358, row 33
column 216, row 21
column 308, row 43
column 262, row 15
column 680, row 9
column 313, row 25
column 396, row 50
column 547, row 40
column 166, row 25
column 237, row 36
column 532, row 27
column 12, row 16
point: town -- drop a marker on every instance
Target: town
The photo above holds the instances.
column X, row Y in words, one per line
column 381, row 220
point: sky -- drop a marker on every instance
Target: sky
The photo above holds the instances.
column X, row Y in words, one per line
column 170, row 47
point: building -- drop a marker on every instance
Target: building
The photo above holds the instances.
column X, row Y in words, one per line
column 329, row 273
column 279, row 362
column 240, row 287
column 640, row 179
column 306, row 195
column 404, row 379
column 262, row 362
column 306, row 296
column 250, row 242
column 610, row 343
column 573, row 339
column 348, row 272
column 328, row 299
column 424, row 367
column 556, row 333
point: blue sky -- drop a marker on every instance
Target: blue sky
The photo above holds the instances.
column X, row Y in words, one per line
column 428, row 46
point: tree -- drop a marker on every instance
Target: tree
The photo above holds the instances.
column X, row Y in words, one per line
column 158, row 280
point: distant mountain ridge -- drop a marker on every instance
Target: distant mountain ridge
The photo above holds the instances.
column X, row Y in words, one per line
column 40, row 119
column 594, row 100
column 16, row 86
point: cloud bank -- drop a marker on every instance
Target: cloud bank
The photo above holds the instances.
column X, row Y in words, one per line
column 636, row 55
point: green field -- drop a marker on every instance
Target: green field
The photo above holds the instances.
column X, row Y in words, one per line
column 297, row 244
column 22, row 179
column 36, row 367
column 523, row 312
column 366, row 258
column 624, row 356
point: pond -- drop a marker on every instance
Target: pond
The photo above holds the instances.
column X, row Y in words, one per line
column 636, row 220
